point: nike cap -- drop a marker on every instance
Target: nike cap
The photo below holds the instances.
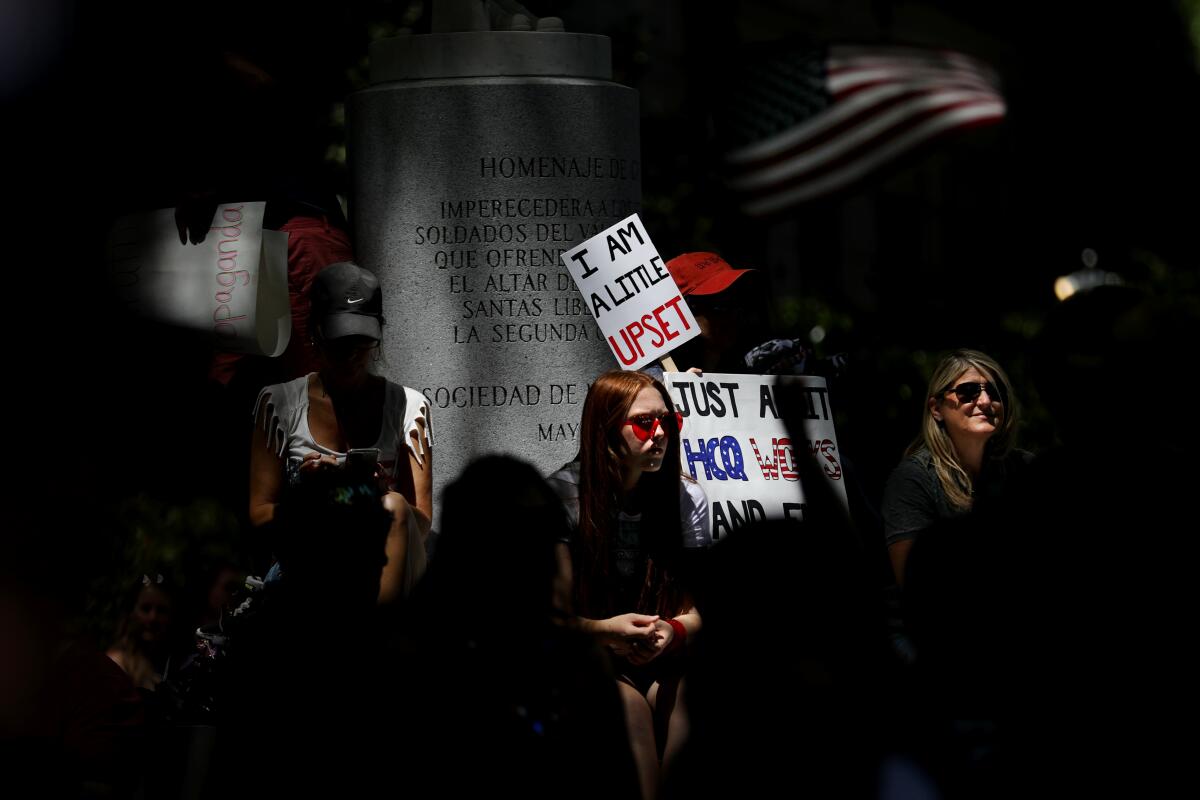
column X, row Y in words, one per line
column 347, row 301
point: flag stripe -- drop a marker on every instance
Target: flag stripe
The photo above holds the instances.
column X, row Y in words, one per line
column 779, row 197
column 835, row 116
column 865, row 150
column 840, row 56
column 845, row 82
column 858, row 131
column 855, row 103
column 878, row 103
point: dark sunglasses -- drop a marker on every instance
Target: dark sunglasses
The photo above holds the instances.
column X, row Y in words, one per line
column 969, row 391
column 644, row 425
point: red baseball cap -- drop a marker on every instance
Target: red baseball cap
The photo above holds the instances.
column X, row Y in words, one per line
column 703, row 273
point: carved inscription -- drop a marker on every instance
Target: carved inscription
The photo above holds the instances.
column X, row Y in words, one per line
column 498, row 256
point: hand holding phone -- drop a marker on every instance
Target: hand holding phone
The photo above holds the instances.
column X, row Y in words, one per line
column 361, row 461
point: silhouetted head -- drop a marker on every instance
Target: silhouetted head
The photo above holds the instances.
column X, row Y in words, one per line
column 496, row 550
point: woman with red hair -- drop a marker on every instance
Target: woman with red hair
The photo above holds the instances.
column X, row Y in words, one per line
column 634, row 517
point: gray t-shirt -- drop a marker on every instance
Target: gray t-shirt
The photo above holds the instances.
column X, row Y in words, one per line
column 913, row 498
column 693, row 506
column 628, row 555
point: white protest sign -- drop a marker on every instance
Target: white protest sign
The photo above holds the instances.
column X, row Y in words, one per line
column 632, row 296
column 233, row 285
column 735, row 444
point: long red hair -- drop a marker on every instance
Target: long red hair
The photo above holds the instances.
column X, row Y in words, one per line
column 601, row 458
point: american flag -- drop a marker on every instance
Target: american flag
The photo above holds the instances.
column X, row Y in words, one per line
column 808, row 123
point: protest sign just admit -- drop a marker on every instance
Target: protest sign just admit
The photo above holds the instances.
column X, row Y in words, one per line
column 735, row 444
column 632, row 296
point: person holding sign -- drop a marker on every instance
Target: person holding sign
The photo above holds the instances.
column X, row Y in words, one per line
column 634, row 517
column 342, row 416
column 964, row 449
column 730, row 307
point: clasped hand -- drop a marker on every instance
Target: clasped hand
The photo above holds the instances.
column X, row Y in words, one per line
column 639, row 638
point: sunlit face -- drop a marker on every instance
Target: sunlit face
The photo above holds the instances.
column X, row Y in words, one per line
column 645, row 456
column 974, row 419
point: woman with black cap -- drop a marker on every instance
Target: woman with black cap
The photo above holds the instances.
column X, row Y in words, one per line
column 315, row 421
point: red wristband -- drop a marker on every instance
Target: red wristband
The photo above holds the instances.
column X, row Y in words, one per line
column 680, row 638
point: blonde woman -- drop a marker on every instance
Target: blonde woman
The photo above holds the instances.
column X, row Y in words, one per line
column 965, row 447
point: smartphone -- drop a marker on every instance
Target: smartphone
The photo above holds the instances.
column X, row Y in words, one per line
column 361, row 461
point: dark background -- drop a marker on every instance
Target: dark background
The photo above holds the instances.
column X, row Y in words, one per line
column 114, row 108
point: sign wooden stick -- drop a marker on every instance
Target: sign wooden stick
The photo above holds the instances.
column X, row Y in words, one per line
column 668, row 364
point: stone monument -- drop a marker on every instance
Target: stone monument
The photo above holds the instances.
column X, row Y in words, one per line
column 477, row 159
